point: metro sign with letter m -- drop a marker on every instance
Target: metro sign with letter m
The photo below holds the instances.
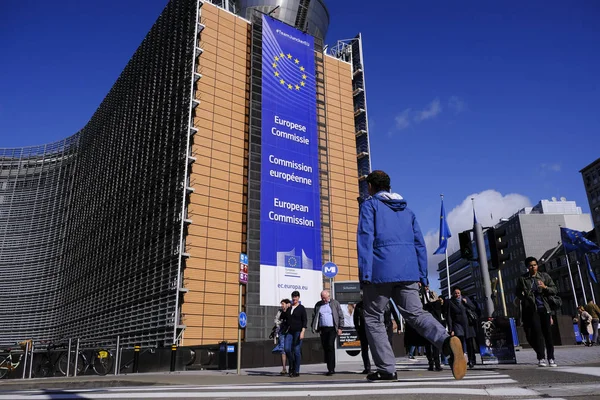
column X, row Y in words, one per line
column 330, row 270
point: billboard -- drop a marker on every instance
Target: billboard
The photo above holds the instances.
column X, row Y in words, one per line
column 290, row 228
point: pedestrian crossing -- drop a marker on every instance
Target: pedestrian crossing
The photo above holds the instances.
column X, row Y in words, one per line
column 480, row 383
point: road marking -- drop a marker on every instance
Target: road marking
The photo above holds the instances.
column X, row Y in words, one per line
column 332, row 385
column 303, row 386
column 449, row 377
column 503, row 391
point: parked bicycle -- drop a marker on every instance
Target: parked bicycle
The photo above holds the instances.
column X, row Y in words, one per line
column 51, row 361
column 100, row 360
column 7, row 365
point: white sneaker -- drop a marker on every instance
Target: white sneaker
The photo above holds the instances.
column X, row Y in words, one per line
column 552, row 363
column 542, row 363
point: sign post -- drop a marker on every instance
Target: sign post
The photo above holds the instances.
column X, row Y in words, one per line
column 330, row 270
column 242, row 315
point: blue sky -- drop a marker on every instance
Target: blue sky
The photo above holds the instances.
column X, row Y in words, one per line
column 463, row 96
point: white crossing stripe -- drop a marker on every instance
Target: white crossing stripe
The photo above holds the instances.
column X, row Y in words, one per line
column 502, row 392
column 492, row 385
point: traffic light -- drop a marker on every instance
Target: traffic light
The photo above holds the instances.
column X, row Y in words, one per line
column 498, row 244
column 466, row 248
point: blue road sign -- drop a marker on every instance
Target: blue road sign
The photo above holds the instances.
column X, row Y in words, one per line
column 243, row 258
column 230, row 349
column 242, row 320
column 330, row 269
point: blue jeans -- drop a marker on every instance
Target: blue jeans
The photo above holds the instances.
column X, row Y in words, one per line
column 293, row 349
column 280, row 348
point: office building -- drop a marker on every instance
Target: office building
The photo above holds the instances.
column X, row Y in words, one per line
column 591, row 182
column 224, row 135
column 530, row 232
column 573, row 279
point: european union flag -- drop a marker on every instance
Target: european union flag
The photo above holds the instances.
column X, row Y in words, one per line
column 445, row 233
column 575, row 240
column 590, row 270
column 293, row 262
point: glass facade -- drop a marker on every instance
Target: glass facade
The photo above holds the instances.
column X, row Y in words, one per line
column 133, row 227
column 92, row 225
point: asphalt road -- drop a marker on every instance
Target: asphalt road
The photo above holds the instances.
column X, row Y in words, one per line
column 576, row 377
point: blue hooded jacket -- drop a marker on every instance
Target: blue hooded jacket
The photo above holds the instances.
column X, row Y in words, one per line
column 390, row 244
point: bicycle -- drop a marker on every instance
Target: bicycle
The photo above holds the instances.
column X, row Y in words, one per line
column 7, row 365
column 50, row 361
column 101, row 361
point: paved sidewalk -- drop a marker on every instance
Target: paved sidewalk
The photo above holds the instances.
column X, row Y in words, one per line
column 349, row 371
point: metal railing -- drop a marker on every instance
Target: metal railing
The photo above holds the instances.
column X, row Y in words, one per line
column 73, row 357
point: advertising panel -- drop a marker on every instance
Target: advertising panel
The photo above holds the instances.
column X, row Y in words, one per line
column 495, row 339
column 290, row 228
column 348, row 295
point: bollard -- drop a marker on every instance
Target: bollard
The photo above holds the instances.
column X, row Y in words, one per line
column 76, row 357
column 136, row 359
column 68, row 359
column 173, row 356
column 25, row 361
column 117, row 361
column 31, row 360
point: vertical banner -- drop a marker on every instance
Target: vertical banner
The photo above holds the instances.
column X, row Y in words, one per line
column 290, row 228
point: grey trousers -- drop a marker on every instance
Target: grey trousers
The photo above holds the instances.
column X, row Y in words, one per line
column 406, row 297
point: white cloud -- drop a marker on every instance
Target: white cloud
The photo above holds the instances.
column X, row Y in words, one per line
column 490, row 206
column 555, row 167
column 403, row 120
column 431, row 111
column 457, row 104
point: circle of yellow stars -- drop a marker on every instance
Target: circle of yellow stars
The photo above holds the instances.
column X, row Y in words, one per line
column 290, row 85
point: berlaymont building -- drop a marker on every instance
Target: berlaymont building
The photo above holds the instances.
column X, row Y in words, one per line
column 232, row 130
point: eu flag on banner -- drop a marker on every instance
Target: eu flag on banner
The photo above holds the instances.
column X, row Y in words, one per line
column 444, row 232
column 293, row 262
column 575, row 240
column 590, row 270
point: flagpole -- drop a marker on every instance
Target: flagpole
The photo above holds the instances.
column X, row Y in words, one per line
column 582, row 285
column 448, row 274
column 570, row 276
column 590, row 278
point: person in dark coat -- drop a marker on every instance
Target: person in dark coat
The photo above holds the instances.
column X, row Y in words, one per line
column 432, row 304
column 458, row 322
column 297, row 320
column 359, row 324
column 533, row 289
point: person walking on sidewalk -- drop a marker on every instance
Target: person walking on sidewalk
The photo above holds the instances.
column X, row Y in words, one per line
column 392, row 263
column 297, row 320
column 361, row 331
column 585, row 325
column 458, row 322
column 594, row 312
column 280, row 331
column 433, row 305
column 533, row 289
column 328, row 320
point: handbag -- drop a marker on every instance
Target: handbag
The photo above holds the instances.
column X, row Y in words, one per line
column 554, row 301
column 472, row 316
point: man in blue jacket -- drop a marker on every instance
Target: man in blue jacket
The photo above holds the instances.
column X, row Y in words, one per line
column 392, row 263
